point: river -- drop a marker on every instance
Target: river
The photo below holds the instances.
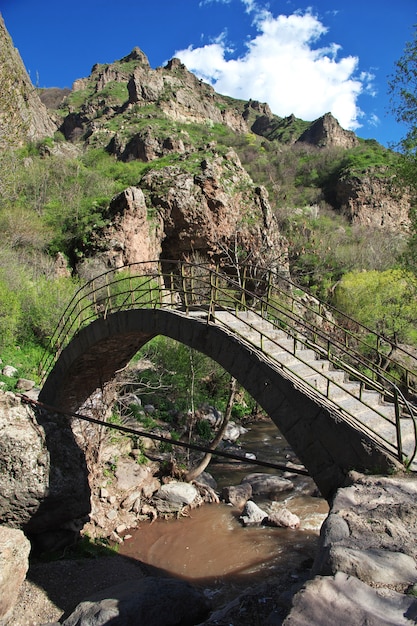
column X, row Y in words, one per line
column 211, row 547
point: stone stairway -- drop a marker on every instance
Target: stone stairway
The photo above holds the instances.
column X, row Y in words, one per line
column 321, row 380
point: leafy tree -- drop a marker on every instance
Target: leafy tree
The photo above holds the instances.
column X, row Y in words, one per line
column 383, row 301
column 403, row 91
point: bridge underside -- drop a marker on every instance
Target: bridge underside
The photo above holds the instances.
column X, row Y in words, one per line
column 328, row 445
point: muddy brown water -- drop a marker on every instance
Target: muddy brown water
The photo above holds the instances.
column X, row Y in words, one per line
column 210, row 546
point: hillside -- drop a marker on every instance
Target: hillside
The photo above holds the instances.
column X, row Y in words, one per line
column 135, row 163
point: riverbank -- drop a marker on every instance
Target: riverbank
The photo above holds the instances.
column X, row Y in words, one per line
column 364, row 570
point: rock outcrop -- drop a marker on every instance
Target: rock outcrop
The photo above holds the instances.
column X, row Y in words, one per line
column 366, row 566
column 43, row 475
column 213, row 211
column 23, row 117
column 131, row 236
column 326, row 132
column 372, row 201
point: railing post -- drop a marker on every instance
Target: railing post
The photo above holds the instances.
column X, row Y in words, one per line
column 243, row 288
column 213, row 293
column 160, row 283
column 398, row 425
column 184, row 286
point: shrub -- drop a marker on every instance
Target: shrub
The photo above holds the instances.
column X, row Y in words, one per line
column 383, row 301
column 10, row 315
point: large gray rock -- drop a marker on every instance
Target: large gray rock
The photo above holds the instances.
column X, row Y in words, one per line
column 283, row 518
column 267, row 484
column 43, row 474
column 252, row 514
column 14, row 563
column 178, row 492
column 373, row 566
column 343, row 599
column 130, row 475
column 237, row 496
column 151, row 602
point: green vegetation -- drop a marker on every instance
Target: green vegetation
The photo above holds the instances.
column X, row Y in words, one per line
column 383, row 301
column 403, row 91
column 52, row 203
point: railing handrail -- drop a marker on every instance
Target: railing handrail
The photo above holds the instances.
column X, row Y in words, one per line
column 99, row 297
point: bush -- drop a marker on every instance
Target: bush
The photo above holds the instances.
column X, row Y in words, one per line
column 383, row 301
column 10, row 315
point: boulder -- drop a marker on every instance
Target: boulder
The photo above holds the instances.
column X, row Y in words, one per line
column 373, row 566
column 43, row 473
column 150, row 601
column 9, row 371
column 343, row 599
column 14, row 563
column 24, row 384
column 177, row 493
column 233, row 432
column 130, row 475
column 237, row 496
column 283, row 518
column 252, row 514
column 268, row 485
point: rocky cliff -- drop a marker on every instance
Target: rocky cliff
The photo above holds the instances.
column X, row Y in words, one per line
column 327, row 132
column 23, row 117
column 373, row 201
column 214, row 212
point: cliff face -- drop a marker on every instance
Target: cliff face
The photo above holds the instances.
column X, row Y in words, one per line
column 373, row 202
column 213, row 212
column 327, row 132
column 23, row 117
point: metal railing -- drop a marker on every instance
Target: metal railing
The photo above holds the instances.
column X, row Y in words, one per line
column 364, row 355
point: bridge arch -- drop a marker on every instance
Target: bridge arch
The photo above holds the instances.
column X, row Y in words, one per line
column 328, row 445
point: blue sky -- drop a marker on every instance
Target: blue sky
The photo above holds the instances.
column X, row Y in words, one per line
column 305, row 58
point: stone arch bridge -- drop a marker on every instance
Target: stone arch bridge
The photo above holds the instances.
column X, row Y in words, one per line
column 336, row 395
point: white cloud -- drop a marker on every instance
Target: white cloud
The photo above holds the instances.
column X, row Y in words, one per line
column 284, row 66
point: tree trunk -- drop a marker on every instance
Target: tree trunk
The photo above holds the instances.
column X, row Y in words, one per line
column 196, row 471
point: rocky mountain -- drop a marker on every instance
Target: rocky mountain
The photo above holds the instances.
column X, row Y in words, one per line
column 106, row 107
column 211, row 160
column 23, row 117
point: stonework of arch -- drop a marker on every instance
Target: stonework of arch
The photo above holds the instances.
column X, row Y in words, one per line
column 327, row 445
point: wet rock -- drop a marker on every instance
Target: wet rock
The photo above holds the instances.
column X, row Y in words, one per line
column 252, row 514
column 283, row 518
column 268, row 485
column 14, row 563
column 156, row 601
column 238, row 496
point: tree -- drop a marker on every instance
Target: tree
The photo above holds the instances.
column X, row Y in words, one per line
column 403, row 92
